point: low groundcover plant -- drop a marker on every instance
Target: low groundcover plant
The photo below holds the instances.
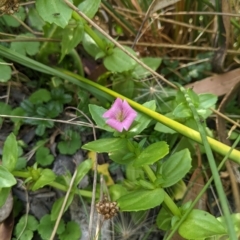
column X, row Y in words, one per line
column 150, row 169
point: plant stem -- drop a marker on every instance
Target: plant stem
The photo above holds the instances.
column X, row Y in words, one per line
column 167, row 200
column 213, row 167
column 149, row 173
column 171, row 205
column 57, row 185
column 108, row 94
column 178, row 127
column 90, row 32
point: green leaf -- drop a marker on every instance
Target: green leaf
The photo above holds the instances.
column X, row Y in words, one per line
column 124, row 86
column 5, row 71
column 119, row 156
column 163, row 129
column 141, row 200
column 30, row 48
column 82, row 170
column 26, row 225
column 176, row 167
column 71, row 143
column 40, row 96
column 10, row 153
column 142, row 119
column 6, row 178
column 89, row 7
column 4, row 192
column 200, row 224
column 207, row 100
column 90, row 46
column 236, row 222
column 105, row 145
column 21, row 163
column 72, row 36
column 72, row 232
column 58, row 205
column 11, row 21
column 151, row 154
column 47, row 176
column 35, row 20
column 116, row 191
column 182, row 111
column 46, row 226
column 5, row 109
column 97, row 115
column 140, row 72
column 164, row 219
column 47, row 10
column 119, row 61
column 43, row 156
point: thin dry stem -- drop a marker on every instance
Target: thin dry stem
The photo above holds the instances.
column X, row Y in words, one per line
column 63, row 205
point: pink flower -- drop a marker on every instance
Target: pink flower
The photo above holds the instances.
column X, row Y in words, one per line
column 120, row 115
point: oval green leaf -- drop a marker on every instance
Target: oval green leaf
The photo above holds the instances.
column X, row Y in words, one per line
column 200, row 225
column 176, row 167
column 141, row 200
column 6, row 178
column 151, row 154
column 48, row 10
column 105, row 145
column 10, row 153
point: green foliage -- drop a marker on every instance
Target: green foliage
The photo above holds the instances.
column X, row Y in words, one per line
column 174, row 72
column 40, row 96
column 46, row 176
column 72, row 36
column 11, row 21
column 5, row 109
column 43, row 104
column 25, row 227
column 5, row 71
column 119, row 61
column 105, row 145
column 4, row 195
column 89, row 7
column 58, row 205
column 175, row 168
column 71, row 142
column 25, row 48
column 160, row 150
column 201, row 224
column 10, row 153
column 46, row 9
column 72, row 231
column 46, row 226
column 143, row 158
column 141, row 200
column 43, row 156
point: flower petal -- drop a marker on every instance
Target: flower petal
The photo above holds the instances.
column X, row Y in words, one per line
column 115, row 108
column 115, row 124
column 128, row 121
column 127, row 110
column 120, row 115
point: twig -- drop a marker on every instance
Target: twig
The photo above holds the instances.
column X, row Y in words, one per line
column 143, row 22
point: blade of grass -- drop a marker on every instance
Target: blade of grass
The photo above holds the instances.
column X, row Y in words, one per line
column 204, row 189
column 213, row 167
column 109, row 95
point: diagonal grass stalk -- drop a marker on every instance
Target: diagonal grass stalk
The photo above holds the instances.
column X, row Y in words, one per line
column 204, row 189
column 213, row 166
column 108, row 94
